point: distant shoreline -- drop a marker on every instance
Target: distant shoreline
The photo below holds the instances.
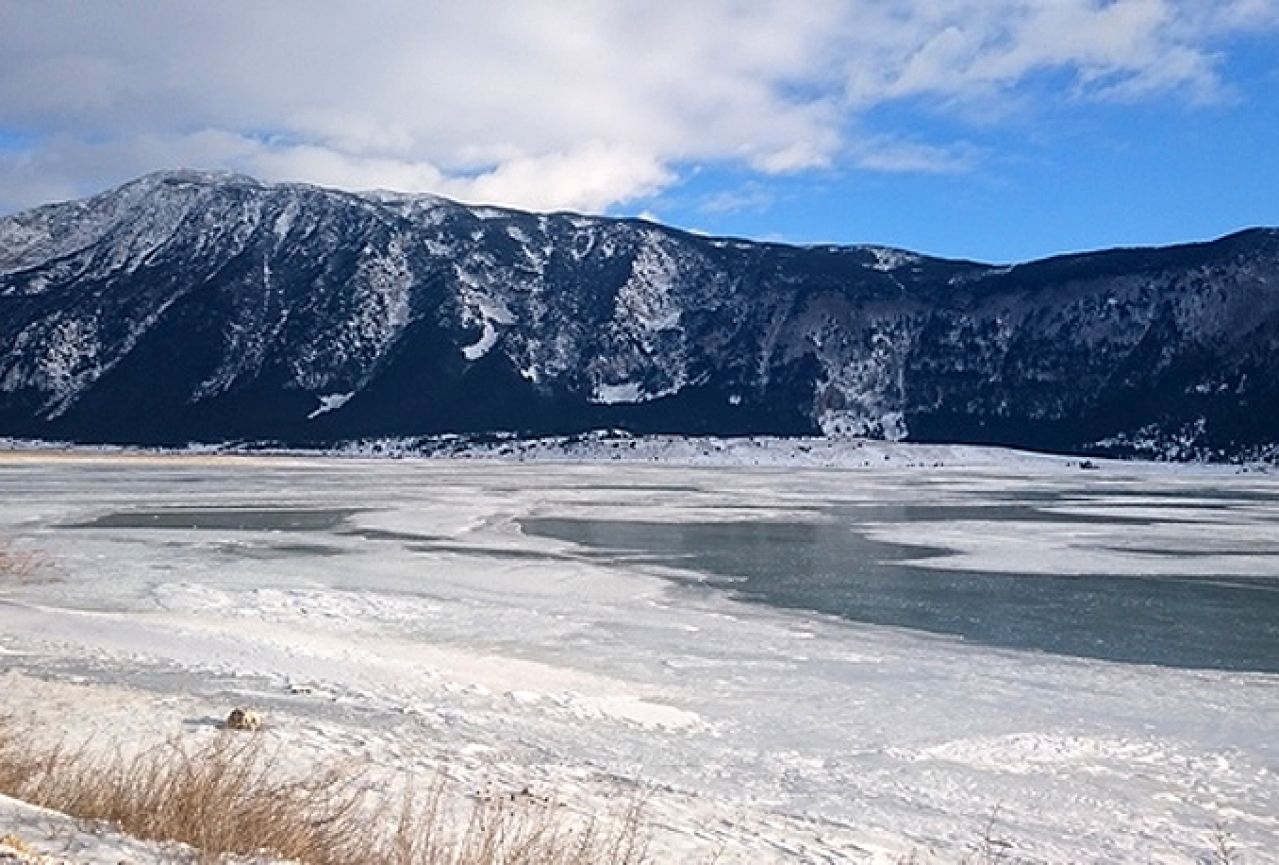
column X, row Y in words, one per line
column 608, row 447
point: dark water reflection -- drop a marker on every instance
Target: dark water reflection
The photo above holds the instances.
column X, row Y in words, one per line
column 830, row 567
column 225, row 519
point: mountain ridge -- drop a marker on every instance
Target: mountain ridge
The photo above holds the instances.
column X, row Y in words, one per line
column 194, row 306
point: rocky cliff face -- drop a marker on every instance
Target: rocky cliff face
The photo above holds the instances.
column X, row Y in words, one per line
column 194, row 307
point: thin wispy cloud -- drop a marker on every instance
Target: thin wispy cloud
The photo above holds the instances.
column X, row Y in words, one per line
column 566, row 104
column 749, row 197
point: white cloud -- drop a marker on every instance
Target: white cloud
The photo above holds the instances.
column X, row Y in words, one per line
column 973, row 50
column 1228, row 15
column 589, row 177
column 581, row 104
column 889, row 155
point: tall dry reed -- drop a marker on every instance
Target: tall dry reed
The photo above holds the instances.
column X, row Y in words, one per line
column 230, row 795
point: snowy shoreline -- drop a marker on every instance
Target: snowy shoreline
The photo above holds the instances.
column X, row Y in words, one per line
column 665, row 450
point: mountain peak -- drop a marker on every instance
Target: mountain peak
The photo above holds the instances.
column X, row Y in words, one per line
column 202, row 177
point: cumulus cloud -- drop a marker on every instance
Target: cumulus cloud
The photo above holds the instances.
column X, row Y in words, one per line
column 546, row 104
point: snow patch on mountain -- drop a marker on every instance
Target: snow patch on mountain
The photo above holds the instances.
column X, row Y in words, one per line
column 480, row 347
column 481, row 306
column 887, row 259
column 58, row 356
column 350, row 349
column 331, row 402
column 614, row 394
column 284, row 222
column 889, row 426
column 647, row 299
column 644, row 353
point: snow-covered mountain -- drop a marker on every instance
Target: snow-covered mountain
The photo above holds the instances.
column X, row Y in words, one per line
column 203, row 307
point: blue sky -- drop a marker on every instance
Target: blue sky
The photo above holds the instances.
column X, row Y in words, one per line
column 998, row 130
column 1060, row 178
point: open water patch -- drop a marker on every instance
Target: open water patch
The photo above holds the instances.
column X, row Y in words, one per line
column 225, row 519
column 832, row 568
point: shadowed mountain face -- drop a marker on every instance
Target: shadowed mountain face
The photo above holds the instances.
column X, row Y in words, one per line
column 199, row 307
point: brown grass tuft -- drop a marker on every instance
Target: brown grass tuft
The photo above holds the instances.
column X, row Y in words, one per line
column 231, row 796
column 19, row 566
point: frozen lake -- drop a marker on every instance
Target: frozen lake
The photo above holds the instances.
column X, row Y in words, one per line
column 799, row 665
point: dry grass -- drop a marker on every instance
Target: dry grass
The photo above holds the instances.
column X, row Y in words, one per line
column 231, row 796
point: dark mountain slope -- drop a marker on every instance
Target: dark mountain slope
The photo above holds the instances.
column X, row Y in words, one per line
column 196, row 307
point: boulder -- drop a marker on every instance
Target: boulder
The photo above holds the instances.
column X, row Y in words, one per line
column 243, row 719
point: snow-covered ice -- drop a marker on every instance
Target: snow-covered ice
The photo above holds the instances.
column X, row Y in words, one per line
column 396, row 612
